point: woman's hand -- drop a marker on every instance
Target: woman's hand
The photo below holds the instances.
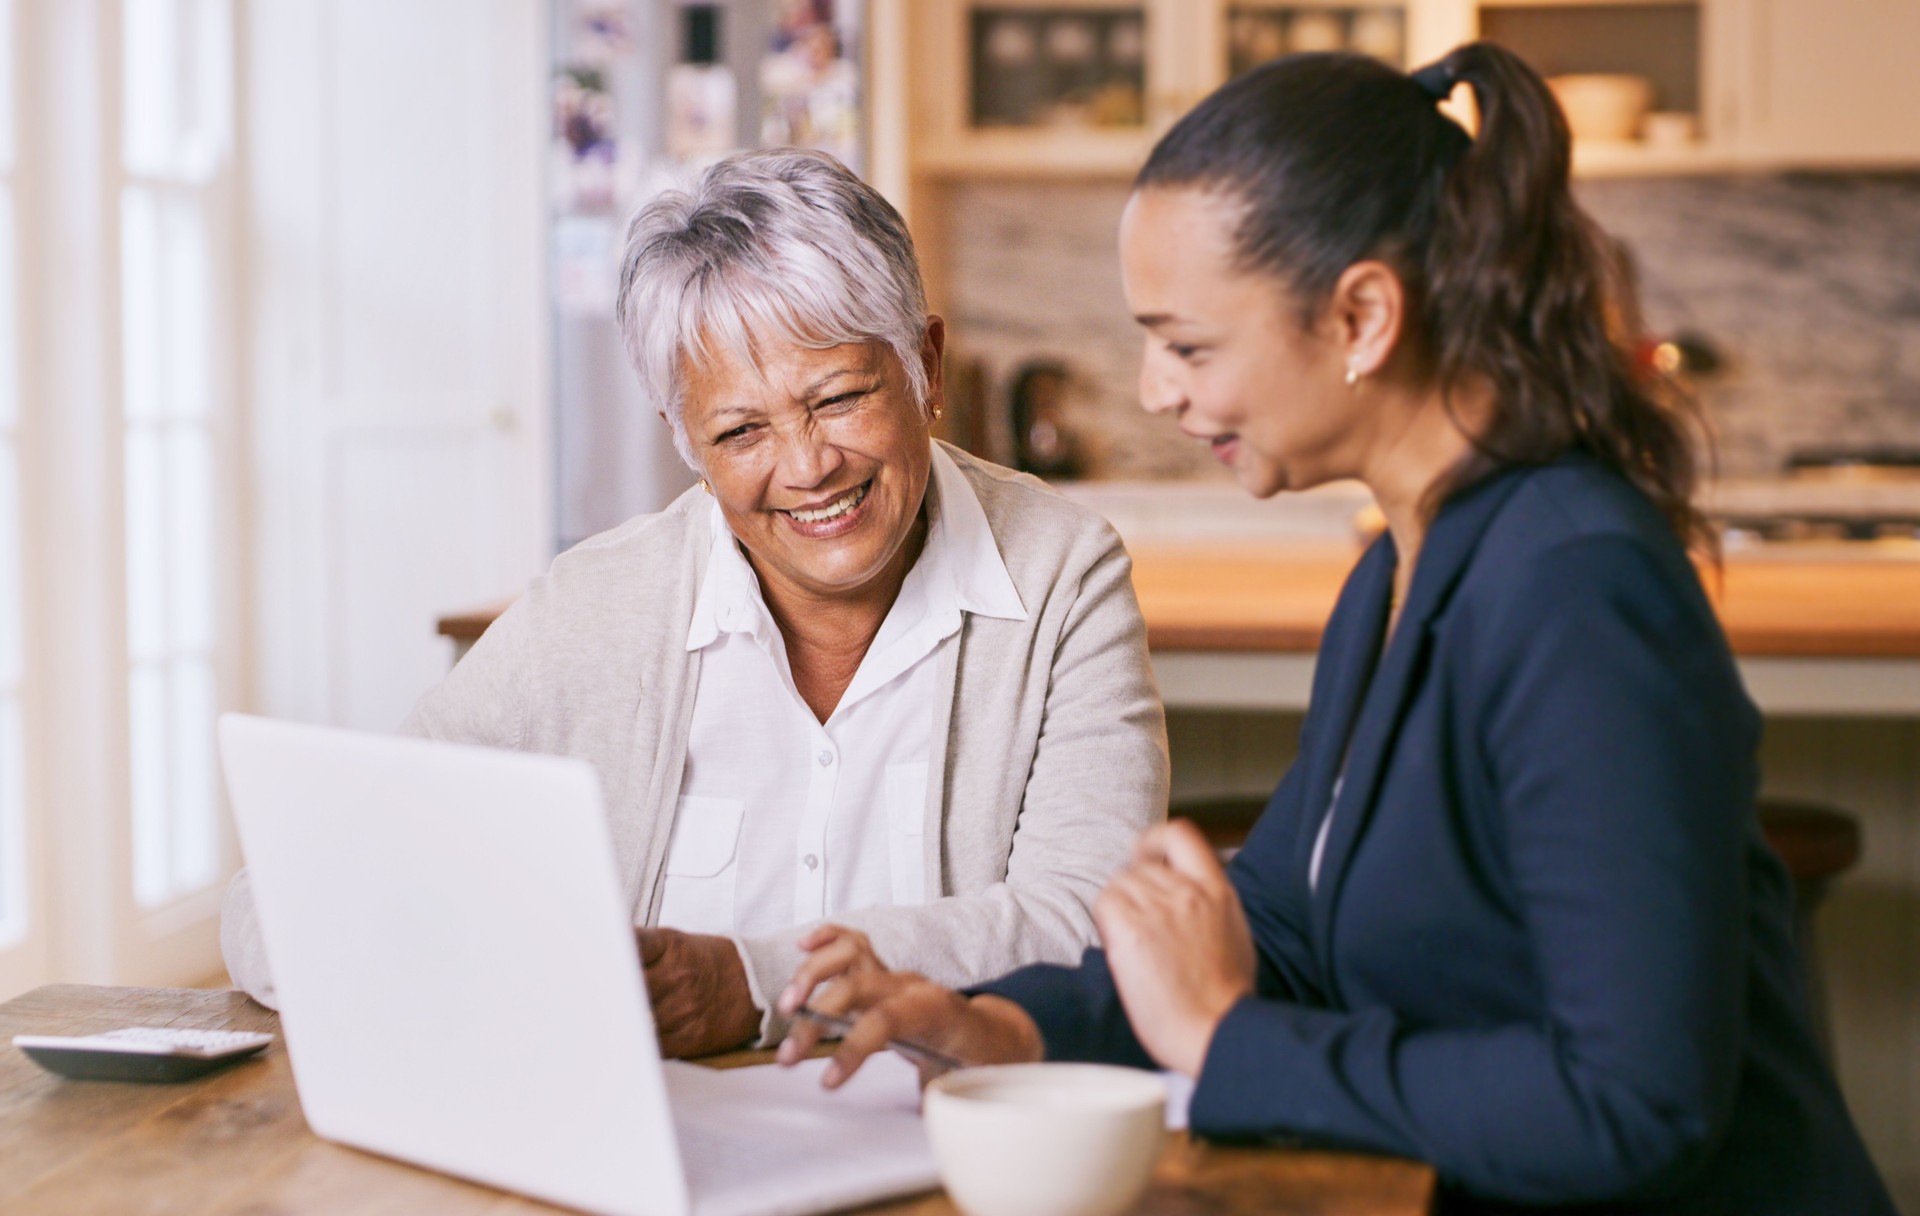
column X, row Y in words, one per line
column 698, row 988
column 842, row 976
column 1177, row 943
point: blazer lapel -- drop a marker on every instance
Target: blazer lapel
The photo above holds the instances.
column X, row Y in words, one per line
column 1349, row 651
column 1445, row 554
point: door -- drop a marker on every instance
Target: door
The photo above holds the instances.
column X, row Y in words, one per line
column 399, row 397
column 1834, row 84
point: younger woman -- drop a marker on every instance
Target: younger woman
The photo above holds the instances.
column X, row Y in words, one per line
column 1510, row 911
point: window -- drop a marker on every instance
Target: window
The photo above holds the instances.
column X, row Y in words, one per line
column 175, row 153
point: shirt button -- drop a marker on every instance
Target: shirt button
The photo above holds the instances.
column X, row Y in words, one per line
column 813, row 863
column 826, row 758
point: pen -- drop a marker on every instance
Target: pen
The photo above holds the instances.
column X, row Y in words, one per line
column 913, row 1051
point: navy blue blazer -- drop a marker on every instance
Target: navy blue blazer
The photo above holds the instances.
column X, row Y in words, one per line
column 1549, row 951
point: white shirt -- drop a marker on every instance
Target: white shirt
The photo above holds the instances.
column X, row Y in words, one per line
column 1320, row 837
column 783, row 819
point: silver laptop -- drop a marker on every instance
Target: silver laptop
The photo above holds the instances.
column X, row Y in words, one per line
column 459, row 988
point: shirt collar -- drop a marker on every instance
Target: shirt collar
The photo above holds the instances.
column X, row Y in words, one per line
column 729, row 599
column 960, row 566
column 981, row 584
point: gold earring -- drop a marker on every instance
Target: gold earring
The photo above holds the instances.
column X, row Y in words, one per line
column 705, row 486
column 938, row 410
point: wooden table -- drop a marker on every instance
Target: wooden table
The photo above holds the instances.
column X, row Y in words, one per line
column 235, row 1143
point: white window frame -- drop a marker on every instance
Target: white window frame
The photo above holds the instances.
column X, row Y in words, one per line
column 74, row 551
column 196, row 176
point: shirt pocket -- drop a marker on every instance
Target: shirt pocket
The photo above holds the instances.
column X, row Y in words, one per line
column 697, row 896
column 906, row 820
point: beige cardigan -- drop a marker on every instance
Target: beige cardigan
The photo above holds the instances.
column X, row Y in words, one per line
column 1055, row 760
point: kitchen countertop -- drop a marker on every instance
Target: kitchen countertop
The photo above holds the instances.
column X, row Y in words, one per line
column 1236, row 591
column 1276, row 595
column 1820, row 630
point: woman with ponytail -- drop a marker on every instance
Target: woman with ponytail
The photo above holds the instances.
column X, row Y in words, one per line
column 1510, row 911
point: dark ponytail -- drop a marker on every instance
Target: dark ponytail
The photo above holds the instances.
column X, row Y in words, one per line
column 1339, row 158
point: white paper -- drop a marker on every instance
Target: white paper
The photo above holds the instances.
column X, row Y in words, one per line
column 769, row 1140
column 1179, row 1097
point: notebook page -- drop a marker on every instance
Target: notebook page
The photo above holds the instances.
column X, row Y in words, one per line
column 769, row 1141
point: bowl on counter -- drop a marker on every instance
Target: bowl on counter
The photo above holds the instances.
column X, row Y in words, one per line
column 1046, row 1139
column 1603, row 106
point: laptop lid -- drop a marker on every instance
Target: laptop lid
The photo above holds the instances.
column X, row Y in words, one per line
column 459, row 986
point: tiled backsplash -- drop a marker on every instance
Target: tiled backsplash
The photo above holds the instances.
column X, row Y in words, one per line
column 1808, row 285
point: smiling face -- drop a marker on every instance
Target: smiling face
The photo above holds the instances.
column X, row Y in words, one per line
column 819, row 461
column 1226, row 353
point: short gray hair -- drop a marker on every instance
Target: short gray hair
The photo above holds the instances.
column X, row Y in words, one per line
column 783, row 243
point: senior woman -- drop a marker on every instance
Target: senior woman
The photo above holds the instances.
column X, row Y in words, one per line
column 855, row 673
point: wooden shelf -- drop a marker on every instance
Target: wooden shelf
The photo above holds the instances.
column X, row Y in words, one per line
column 1593, row 158
column 1583, row 3
column 1037, row 153
column 1119, row 157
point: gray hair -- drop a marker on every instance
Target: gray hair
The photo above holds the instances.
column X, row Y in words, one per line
column 783, row 243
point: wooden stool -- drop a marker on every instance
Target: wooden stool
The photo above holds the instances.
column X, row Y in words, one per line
column 1817, row 844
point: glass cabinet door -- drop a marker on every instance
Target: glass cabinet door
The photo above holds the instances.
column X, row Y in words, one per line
column 1043, row 86
column 1259, row 30
column 1056, row 66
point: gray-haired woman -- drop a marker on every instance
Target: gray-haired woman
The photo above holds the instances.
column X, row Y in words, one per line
column 855, row 674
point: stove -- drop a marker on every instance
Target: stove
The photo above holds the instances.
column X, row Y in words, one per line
column 1826, row 496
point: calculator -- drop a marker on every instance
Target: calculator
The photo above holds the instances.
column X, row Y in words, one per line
column 140, row 1053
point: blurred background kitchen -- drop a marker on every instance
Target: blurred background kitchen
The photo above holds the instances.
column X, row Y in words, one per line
column 307, row 348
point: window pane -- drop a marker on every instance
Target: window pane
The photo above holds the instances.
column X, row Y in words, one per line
column 146, row 492
column 6, row 89
column 189, row 539
column 207, row 95
column 150, row 84
column 187, row 267
column 147, row 729
column 176, row 82
column 176, row 88
column 142, row 346
column 195, row 834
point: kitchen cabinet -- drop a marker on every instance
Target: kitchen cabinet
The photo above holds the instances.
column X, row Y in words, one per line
column 1680, row 48
column 1767, row 84
column 1080, row 59
column 1189, row 48
column 1832, row 82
